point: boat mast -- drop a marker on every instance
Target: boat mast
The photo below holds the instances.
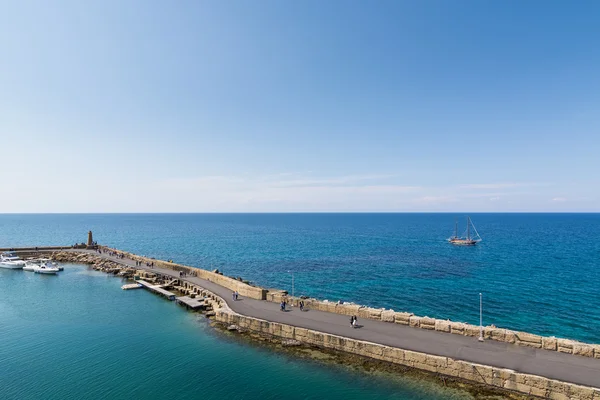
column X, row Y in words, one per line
column 468, row 222
column 456, row 228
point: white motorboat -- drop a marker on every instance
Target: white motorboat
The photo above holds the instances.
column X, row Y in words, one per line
column 31, row 265
column 10, row 260
column 46, row 268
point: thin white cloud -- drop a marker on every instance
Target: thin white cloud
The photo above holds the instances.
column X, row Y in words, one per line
column 275, row 192
column 437, row 199
column 559, row 199
column 341, row 180
column 502, row 185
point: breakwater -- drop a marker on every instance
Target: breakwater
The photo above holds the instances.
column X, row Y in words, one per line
column 501, row 378
column 490, row 332
column 457, row 328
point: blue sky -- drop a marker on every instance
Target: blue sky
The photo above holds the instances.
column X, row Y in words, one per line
column 254, row 106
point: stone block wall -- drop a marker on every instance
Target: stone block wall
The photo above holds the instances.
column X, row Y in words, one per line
column 501, row 378
column 446, row 326
column 243, row 289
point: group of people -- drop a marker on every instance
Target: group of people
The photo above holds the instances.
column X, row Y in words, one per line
column 283, row 304
column 235, row 295
column 353, row 321
column 112, row 253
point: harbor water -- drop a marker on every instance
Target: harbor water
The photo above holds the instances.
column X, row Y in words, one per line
column 77, row 335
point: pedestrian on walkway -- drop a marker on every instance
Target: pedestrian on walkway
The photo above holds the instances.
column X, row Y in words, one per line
column 354, row 321
column 301, row 305
column 236, row 295
column 233, row 296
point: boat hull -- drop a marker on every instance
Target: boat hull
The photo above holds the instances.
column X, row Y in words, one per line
column 464, row 243
column 12, row 265
column 46, row 271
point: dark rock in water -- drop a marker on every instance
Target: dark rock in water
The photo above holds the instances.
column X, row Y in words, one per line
column 216, row 271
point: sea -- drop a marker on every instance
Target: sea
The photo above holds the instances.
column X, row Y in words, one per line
column 79, row 336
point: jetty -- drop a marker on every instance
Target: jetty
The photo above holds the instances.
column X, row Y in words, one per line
column 158, row 289
column 190, row 303
column 545, row 367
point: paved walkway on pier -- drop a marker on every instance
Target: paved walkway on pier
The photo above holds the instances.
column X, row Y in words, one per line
column 551, row 364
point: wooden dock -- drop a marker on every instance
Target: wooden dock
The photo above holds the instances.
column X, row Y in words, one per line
column 157, row 289
column 190, row 303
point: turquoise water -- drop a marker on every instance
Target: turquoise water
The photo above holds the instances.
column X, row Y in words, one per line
column 537, row 272
column 79, row 336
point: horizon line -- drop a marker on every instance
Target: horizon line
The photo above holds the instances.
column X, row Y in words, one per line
column 297, row 212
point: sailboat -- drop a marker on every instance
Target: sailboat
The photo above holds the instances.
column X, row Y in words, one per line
column 467, row 240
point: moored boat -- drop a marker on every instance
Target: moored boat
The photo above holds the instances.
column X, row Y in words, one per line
column 10, row 260
column 466, row 240
column 31, row 265
column 46, row 268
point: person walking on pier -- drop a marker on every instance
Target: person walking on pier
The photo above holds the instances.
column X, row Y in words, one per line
column 301, row 304
column 354, row 321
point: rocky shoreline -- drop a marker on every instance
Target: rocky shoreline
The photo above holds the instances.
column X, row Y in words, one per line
column 362, row 363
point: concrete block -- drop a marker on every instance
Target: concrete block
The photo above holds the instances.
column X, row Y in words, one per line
column 402, row 318
column 528, row 339
column 581, row 392
column 471, row 330
column 388, row 316
column 414, row 321
column 549, row 343
column 300, row 334
column 583, row 349
column 497, row 334
column 558, row 390
column 510, row 336
column 442, row 326
column 565, row 346
column 427, row 323
column 348, row 309
column 370, row 313
column 457, row 328
column 596, row 351
column 415, row 359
